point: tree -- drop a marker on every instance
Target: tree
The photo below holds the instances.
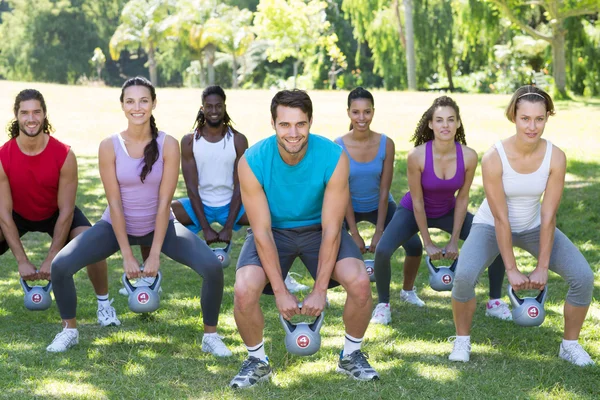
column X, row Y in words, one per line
column 98, row 61
column 411, row 68
column 142, row 25
column 296, row 29
column 554, row 32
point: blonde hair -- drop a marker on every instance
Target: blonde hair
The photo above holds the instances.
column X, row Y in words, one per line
column 532, row 94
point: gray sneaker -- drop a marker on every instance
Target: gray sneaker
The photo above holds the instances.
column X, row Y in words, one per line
column 356, row 365
column 253, row 371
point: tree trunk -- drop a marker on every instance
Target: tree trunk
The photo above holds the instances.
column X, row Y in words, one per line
column 210, row 50
column 296, row 67
column 152, row 66
column 411, row 67
column 559, row 62
column 448, row 69
column 234, row 74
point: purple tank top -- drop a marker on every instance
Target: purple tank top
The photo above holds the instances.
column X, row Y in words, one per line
column 140, row 200
column 438, row 194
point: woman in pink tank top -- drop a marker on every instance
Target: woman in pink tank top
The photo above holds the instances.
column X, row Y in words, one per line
column 139, row 168
column 440, row 171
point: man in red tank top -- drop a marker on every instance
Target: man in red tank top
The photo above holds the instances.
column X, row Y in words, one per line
column 38, row 185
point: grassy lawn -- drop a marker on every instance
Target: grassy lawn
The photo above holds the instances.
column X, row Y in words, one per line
column 159, row 356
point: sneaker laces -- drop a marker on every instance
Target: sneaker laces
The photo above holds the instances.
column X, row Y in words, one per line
column 360, row 359
column 460, row 344
column 576, row 351
column 64, row 337
column 380, row 309
column 107, row 311
column 248, row 366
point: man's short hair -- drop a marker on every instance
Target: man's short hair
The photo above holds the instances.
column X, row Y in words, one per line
column 294, row 99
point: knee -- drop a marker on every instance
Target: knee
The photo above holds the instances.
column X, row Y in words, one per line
column 414, row 247
column 359, row 289
column 245, row 294
column 59, row 269
column 581, row 288
column 463, row 288
column 382, row 251
column 212, row 271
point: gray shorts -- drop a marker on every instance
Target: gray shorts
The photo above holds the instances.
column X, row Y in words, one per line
column 304, row 242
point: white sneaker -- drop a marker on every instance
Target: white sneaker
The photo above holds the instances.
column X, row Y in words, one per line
column 410, row 296
column 382, row 314
column 214, row 345
column 145, row 281
column 63, row 340
column 461, row 350
column 293, row 286
column 575, row 354
column 498, row 309
column 107, row 316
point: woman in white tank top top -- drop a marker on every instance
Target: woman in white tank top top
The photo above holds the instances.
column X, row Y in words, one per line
column 516, row 173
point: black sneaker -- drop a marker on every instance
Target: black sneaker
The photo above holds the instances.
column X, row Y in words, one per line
column 356, row 365
column 253, row 370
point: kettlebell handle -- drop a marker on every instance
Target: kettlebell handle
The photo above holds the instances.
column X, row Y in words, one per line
column 540, row 298
column 129, row 285
column 28, row 288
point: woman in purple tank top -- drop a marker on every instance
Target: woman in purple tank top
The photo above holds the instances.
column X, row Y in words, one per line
column 439, row 166
column 139, row 168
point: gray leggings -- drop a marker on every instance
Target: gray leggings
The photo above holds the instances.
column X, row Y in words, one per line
column 481, row 247
column 402, row 227
column 100, row 242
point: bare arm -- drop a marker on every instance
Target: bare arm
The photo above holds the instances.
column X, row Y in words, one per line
column 384, row 192
column 10, row 231
column 416, row 164
column 550, row 204
column 241, row 144
column 491, row 168
column 462, row 202
column 108, row 174
column 67, row 192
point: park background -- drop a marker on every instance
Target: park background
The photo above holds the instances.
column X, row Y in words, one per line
column 491, row 48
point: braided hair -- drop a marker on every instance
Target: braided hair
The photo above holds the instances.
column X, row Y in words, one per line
column 359, row 93
column 151, row 150
column 201, row 119
column 25, row 95
column 424, row 133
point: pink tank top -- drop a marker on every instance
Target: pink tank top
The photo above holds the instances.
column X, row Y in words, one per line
column 140, row 200
column 438, row 194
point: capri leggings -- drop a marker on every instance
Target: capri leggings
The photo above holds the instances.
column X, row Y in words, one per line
column 413, row 246
column 481, row 248
column 402, row 227
column 99, row 242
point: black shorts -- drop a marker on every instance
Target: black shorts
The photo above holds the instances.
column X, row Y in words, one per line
column 304, row 242
column 46, row 225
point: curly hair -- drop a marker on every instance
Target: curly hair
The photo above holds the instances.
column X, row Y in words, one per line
column 200, row 117
column 424, row 133
column 24, row 95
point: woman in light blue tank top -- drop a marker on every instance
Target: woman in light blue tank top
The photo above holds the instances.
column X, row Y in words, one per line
column 139, row 168
column 371, row 156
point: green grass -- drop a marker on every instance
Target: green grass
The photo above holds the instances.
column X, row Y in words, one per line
column 160, row 356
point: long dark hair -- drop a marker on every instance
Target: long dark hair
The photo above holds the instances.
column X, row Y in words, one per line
column 25, row 95
column 201, row 119
column 424, row 133
column 359, row 93
column 151, row 149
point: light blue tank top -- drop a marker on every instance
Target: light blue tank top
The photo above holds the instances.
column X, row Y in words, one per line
column 365, row 179
column 294, row 192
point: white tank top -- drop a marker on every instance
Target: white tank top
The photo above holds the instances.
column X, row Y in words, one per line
column 215, row 163
column 523, row 193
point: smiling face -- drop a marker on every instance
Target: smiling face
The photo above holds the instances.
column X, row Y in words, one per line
column 214, row 110
column 30, row 117
column 444, row 123
column 530, row 120
column 361, row 113
column 292, row 126
column 137, row 104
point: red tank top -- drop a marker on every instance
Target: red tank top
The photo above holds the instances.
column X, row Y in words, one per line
column 34, row 179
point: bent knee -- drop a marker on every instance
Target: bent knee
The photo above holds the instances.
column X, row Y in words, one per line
column 463, row 289
column 581, row 289
column 359, row 288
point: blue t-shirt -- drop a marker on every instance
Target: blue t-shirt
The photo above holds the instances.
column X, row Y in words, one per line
column 365, row 179
column 294, row 192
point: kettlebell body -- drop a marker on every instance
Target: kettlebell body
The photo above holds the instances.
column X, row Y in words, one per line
column 222, row 254
column 302, row 339
column 441, row 279
column 143, row 299
column 37, row 298
column 528, row 311
column 370, row 265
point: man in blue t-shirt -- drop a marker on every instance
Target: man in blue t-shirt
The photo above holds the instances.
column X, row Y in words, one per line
column 294, row 188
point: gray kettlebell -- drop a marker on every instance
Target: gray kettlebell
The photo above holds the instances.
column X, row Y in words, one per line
column 143, row 299
column 37, row 298
column 222, row 254
column 528, row 311
column 441, row 279
column 370, row 266
column 302, row 339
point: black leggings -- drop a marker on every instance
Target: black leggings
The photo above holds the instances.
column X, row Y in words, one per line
column 100, row 242
column 402, row 227
column 413, row 247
